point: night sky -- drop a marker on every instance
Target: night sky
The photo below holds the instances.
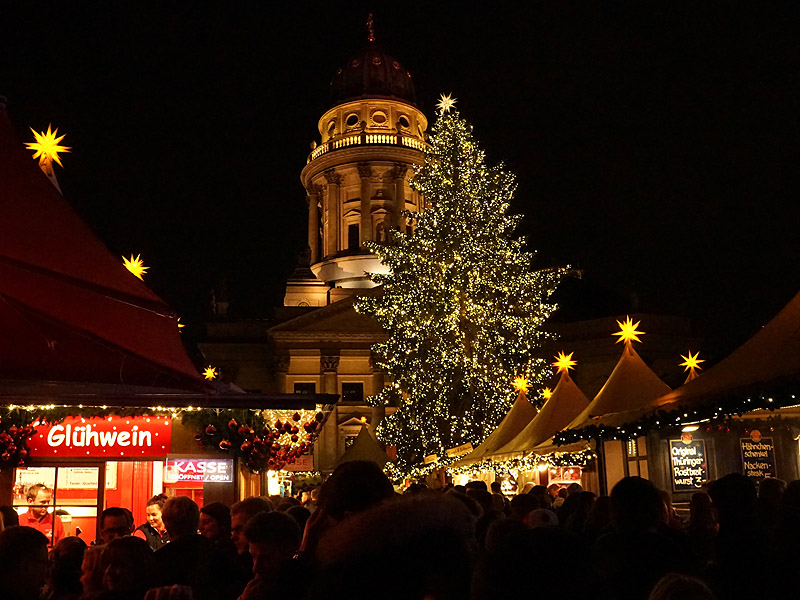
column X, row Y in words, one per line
column 656, row 147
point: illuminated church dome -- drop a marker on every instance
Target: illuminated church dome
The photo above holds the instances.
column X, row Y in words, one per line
column 372, row 74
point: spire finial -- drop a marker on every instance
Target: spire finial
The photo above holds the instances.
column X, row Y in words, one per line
column 370, row 29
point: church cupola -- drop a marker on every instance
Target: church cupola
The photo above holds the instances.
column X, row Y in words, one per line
column 356, row 176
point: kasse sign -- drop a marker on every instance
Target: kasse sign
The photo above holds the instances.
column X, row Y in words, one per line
column 107, row 437
column 218, row 470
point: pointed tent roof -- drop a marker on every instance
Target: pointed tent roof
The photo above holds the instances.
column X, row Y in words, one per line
column 365, row 447
column 632, row 384
column 765, row 362
column 520, row 415
column 558, row 412
column 69, row 309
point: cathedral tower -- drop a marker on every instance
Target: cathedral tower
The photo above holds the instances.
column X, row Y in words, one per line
column 356, row 178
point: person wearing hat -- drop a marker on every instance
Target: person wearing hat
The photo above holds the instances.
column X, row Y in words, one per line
column 215, row 524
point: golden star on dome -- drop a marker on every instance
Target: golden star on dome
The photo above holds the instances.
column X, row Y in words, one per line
column 628, row 331
column 47, row 145
column 445, row 103
column 521, row 384
column 135, row 266
column 547, row 393
column 210, row 373
column 564, row 362
column 691, row 362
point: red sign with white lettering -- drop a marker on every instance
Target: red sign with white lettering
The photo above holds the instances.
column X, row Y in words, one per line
column 108, row 437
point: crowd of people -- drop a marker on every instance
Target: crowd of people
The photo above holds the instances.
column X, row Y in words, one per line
column 356, row 537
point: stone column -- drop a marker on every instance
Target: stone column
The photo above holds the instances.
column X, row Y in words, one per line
column 378, row 412
column 399, row 176
column 332, row 234
column 314, row 192
column 329, row 364
column 366, row 234
column 329, row 442
column 281, row 372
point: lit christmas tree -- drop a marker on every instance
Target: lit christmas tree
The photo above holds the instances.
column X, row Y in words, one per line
column 461, row 304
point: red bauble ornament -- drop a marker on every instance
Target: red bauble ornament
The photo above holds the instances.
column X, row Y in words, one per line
column 211, row 430
column 224, row 445
column 5, row 456
column 296, row 416
column 278, row 424
column 233, row 424
column 295, row 430
column 295, row 438
column 319, row 417
column 12, row 430
column 198, row 436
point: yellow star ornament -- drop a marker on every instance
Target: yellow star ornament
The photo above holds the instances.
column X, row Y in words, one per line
column 628, row 331
column 691, row 362
column 47, row 146
column 547, row 393
column 564, row 362
column 135, row 266
column 445, row 103
column 210, row 373
column 521, row 384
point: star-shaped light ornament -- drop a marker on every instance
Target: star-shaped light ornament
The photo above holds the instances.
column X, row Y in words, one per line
column 521, row 384
column 547, row 393
column 692, row 362
column 210, row 373
column 180, row 325
column 445, row 103
column 628, row 331
column 135, row 266
column 564, row 362
column 47, row 146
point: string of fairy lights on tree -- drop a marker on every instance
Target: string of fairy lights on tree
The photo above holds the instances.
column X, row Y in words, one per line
column 461, row 304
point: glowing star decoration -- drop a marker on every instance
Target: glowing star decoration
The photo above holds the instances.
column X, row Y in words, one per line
column 210, row 373
column 628, row 331
column 445, row 103
column 692, row 362
column 521, row 384
column 547, row 393
column 47, row 146
column 135, row 266
column 564, row 362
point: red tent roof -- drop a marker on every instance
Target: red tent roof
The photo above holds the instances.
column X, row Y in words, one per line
column 69, row 309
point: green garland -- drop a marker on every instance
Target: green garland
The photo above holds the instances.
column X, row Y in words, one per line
column 242, row 433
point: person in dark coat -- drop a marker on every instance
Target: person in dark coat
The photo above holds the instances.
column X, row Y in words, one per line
column 153, row 531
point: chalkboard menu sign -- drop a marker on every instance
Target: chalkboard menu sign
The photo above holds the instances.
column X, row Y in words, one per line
column 758, row 456
column 688, row 459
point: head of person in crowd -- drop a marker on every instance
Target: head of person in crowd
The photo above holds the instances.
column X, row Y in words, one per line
column 9, row 515
column 469, row 502
column 115, row 522
column 92, row 571
column 300, row 514
column 153, row 511
column 701, row 513
column 181, row 517
column 476, row 484
column 522, row 504
column 495, row 487
column 483, row 498
column 574, row 488
column 541, row 517
column 273, row 539
column 540, row 493
column 65, row 567
column 497, row 575
column 39, row 497
column 128, row 566
column 241, row 513
column 501, row 529
column 734, row 499
column 352, row 487
column 770, row 494
column 428, row 538
column 215, row 522
column 636, row 505
column 552, row 490
column 286, row 503
column 676, row 586
column 23, row 563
